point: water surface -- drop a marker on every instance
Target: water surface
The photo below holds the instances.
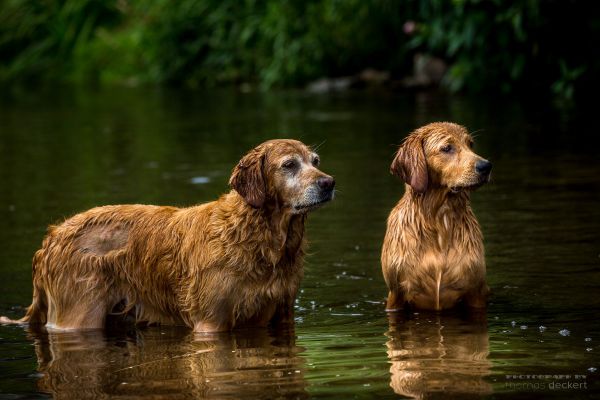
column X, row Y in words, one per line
column 63, row 151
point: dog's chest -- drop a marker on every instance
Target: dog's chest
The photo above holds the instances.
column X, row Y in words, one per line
column 452, row 250
column 268, row 284
column 448, row 263
column 273, row 282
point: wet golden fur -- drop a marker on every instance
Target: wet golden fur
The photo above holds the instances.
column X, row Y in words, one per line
column 232, row 262
column 433, row 254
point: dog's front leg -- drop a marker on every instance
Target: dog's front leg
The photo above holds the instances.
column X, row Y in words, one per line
column 209, row 327
column 395, row 301
column 284, row 314
column 477, row 298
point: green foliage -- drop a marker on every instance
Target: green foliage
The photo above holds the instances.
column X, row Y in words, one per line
column 489, row 45
column 212, row 42
column 564, row 86
column 508, row 46
column 486, row 42
column 43, row 39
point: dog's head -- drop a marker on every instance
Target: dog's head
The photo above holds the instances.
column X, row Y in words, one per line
column 440, row 155
column 283, row 172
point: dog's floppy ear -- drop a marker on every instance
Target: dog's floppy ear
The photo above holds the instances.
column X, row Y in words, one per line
column 248, row 180
column 410, row 164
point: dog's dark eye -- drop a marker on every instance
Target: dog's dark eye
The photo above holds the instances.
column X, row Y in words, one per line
column 447, row 148
column 316, row 161
column 290, row 164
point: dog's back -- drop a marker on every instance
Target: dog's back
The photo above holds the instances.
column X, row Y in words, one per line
column 88, row 264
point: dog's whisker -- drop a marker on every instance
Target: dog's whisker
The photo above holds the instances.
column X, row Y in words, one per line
column 478, row 133
column 317, row 147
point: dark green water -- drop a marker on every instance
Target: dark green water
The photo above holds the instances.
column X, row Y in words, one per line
column 64, row 151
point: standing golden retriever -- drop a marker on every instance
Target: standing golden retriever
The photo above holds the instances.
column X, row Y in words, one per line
column 232, row 262
column 432, row 254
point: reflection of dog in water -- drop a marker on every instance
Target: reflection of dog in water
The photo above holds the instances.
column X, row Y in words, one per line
column 169, row 363
column 435, row 355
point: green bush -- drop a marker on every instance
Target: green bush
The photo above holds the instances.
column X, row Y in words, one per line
column 42, row 40
column 509, row 45
column 489, row 45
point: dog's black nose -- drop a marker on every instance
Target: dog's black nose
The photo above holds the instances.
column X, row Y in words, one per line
column 326, row 182
column 483, row 167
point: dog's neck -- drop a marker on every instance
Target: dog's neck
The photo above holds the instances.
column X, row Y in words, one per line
column 437, row 201
column 278, row 233
column 440, row 218
column 287, row 230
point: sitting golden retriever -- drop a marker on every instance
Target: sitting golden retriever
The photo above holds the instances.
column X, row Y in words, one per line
column 232, row 262
column 432, row 254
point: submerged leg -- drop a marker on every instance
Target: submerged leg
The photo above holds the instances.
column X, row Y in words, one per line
column 395, row 301
column 478, row 297
column 208, row 327
column 284, row 314
column 88, row 313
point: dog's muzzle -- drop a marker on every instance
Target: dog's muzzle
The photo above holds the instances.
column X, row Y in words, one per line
column 323, row 194
column 326, row 184
column 483, row 167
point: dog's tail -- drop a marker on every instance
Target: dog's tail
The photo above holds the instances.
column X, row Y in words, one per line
column 37, row 312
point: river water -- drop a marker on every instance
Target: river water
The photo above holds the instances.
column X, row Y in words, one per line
column 66, row 150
